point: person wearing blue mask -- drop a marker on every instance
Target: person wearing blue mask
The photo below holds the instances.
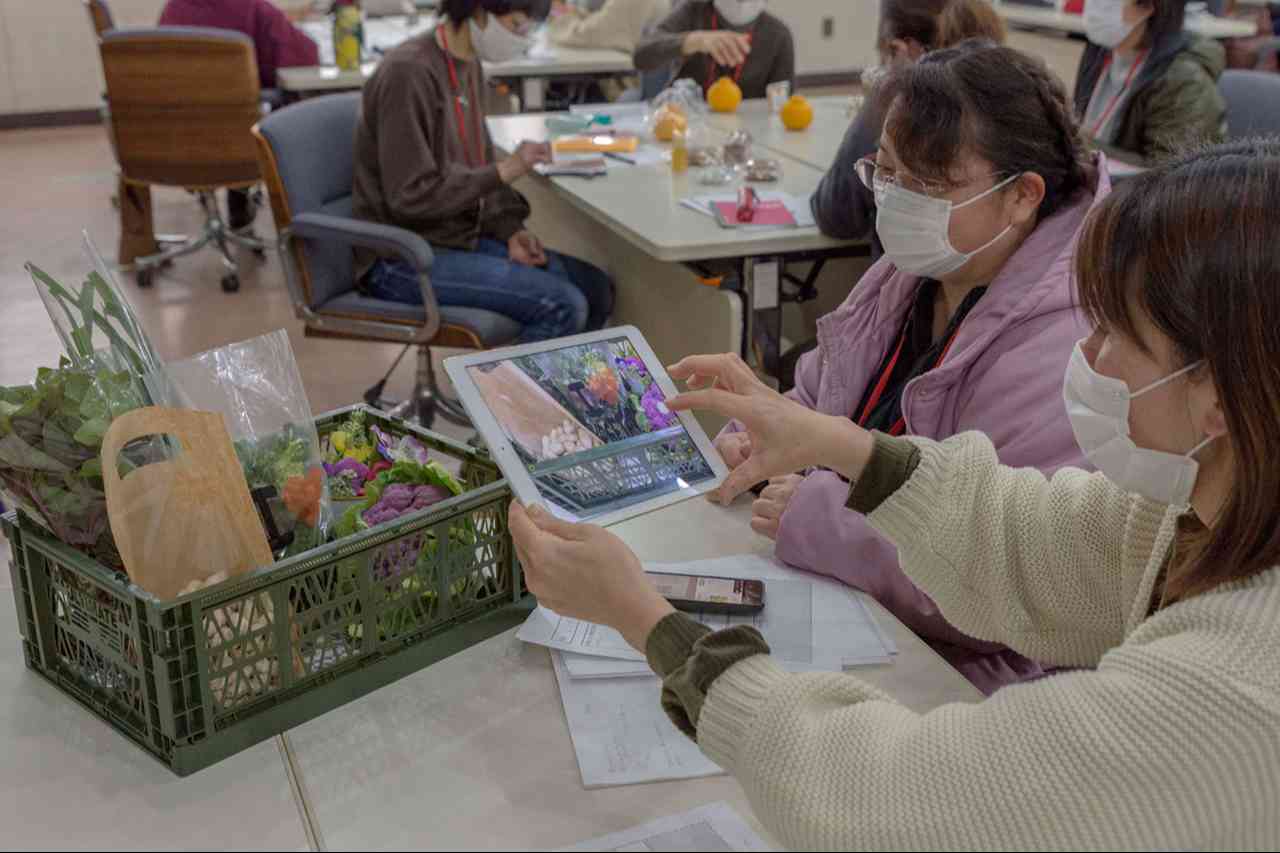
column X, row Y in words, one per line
column 705, row 40
column 1158, row 575
column 1145, row 88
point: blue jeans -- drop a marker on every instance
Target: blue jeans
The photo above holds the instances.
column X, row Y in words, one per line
column 565, row 297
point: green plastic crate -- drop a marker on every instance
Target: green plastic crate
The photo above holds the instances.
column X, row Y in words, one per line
column 205, row 676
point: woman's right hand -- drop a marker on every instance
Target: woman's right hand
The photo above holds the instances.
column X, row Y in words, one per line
column 784, row 436
column 526, row 156
column 726, row 48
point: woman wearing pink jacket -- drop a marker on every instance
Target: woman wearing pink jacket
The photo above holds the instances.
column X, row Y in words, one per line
column 982, row 182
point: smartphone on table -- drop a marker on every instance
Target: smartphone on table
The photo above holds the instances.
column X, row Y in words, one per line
column 709, row 594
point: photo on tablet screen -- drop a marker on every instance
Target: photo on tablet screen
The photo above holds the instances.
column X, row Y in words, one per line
column 591, row 425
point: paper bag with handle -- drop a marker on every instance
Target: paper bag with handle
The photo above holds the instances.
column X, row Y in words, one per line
column 186, row 518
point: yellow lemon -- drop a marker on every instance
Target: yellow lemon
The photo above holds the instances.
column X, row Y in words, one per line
column 724, row 95
column 797, row 113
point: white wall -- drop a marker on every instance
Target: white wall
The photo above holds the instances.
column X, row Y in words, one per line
column 48, row 57
column 852, row 44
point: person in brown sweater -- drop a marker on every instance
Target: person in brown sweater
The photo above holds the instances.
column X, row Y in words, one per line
column 425, row 162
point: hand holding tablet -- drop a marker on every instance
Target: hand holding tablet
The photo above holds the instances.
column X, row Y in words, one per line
column 580, row 425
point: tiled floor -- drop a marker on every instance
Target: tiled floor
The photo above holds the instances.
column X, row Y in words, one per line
column 62, row 184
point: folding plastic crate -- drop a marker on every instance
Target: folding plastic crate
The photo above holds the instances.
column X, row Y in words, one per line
column 202, row 677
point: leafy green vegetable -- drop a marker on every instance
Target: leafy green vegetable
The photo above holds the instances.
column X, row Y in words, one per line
column 50, row 443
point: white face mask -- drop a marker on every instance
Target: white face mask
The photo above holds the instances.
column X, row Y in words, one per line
column 496, row 43
column 739, row 13
column 1104, row 23
column 1098, row 408
column 914, row 229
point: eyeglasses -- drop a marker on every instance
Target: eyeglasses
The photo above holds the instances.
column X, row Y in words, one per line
column 876, row 178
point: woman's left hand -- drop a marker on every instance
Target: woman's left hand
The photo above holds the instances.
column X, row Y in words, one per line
column 767, row 510
column 524, row 247
column 585, row 572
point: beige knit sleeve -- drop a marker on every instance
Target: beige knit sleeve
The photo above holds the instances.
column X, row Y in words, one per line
column 1162, row 747
column 1011, row 556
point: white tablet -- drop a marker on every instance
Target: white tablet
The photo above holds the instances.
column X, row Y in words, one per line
column 580, row 425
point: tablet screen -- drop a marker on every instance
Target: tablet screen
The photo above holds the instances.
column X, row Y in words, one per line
column 591, row 426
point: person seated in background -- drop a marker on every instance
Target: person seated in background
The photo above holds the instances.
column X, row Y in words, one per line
column 277, row 43
column 710, row 40
column 424, row 161
column 982, row 182
column 842, row 206
column 1145, row 88
column 611, row 25
column 607, row 25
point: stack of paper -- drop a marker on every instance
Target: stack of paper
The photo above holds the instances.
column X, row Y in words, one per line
column 574, row 166
column 611, row 697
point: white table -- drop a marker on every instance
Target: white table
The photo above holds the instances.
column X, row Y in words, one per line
column 471, row 753
column 474, row 752
column 816, row 145
column 632, row 224
column 642, row 202
column 543, row 62
column 1052, row 19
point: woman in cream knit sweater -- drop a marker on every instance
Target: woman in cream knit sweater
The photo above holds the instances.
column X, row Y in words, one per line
column 1159, row 575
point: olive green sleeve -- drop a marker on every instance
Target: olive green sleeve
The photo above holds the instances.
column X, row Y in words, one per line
column 893, row 461
column 689, row 657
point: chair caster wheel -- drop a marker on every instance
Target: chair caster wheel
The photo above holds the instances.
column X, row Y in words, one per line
column 426, row 413
column 230, row 283
column 145, row 278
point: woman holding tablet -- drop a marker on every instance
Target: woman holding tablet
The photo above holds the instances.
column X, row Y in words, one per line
column 1160, row 573
column 982, row 181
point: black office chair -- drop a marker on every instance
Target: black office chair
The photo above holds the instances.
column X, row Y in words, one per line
column 1253, row 102
column 307, row 152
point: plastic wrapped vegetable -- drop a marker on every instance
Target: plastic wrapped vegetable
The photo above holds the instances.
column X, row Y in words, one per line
column 433, row 484
column 256, row 387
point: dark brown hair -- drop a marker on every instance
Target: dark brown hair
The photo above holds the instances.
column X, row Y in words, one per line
column 938, row 23
column 460, row 10
column 1191, row 245
column 992, row 101
column 1167, row 19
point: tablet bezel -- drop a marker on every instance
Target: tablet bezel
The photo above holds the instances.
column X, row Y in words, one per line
column 522, row 485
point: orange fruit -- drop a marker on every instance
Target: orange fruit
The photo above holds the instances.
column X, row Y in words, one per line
column 724, row 95
column 797, row 113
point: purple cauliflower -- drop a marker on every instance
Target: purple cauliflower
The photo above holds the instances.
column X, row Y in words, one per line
column 655, row 408
column 353, row 474
column 400, row 499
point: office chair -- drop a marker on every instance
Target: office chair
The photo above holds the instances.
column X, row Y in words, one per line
column 99, row 16
column 307, row 152
column 183, row 101
column 1253, row 102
